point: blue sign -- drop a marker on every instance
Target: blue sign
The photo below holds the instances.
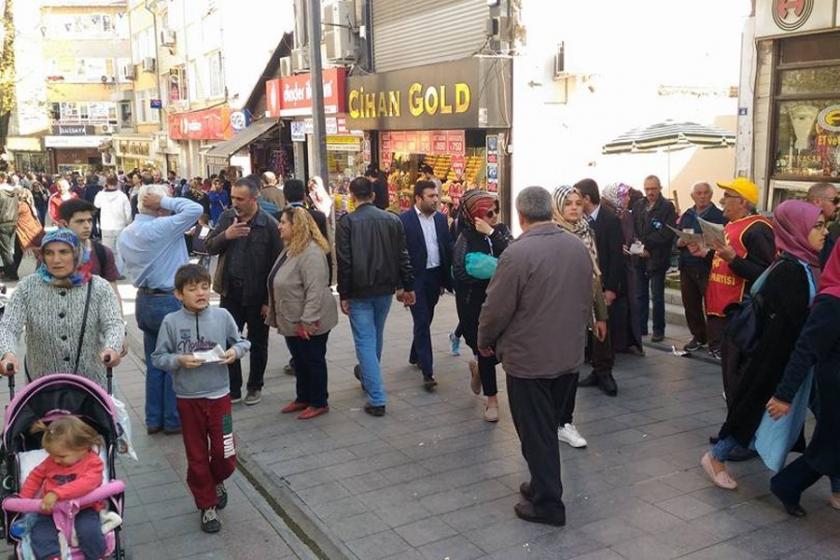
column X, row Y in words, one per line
column 155, row 103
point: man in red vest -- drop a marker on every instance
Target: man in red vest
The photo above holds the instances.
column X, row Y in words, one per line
column 750, row 248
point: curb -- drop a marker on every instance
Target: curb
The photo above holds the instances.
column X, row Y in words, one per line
column 304, row 525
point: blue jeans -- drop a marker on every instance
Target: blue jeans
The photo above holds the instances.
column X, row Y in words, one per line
column 161, row 407
column 367, row 319
column 723, row 448
column 44, row 535
column 651, row 288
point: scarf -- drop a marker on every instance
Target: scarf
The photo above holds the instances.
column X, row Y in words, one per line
column 320, row 198
column 581, row 229
column 794, row 220
column 830, row 277
column 475, row 204
column 81, row 276
column 617, row 195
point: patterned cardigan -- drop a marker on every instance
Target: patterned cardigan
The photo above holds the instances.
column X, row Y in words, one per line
column 52, row 317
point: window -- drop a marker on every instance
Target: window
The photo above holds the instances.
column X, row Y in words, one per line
column 143, row 45
column 177, row 84
column 83, row 24
column 214, row 65
column 807, row 109
column 125, row 114
column 142, row 105
column 193, row 81
column 84, row 114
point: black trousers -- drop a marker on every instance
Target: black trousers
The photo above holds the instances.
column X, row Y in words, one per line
column 793, row 480
column 427, row 291
column 693, row 281
column 257, row 335
column 536, row 406
column 487, row 372
column 602, row 354
column 310, row 358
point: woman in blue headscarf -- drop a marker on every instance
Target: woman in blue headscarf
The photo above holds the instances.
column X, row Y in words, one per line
column 72, row 319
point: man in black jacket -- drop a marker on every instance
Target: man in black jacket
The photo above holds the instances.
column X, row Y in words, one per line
column 609, row 240
column 651, row 216
column 248, row 242
column 373, row 263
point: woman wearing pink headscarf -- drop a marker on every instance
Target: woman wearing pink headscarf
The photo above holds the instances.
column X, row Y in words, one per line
column 788, row 288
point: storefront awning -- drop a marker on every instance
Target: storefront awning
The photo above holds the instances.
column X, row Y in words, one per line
column 227, row 148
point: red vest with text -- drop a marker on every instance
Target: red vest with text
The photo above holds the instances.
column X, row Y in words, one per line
column 725, row 287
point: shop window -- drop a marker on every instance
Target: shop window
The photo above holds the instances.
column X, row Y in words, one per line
column 825, row 79
column 177, row 84
column 810, row 48
column 808, row 138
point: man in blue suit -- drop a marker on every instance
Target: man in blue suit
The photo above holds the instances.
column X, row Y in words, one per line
column 430, row 251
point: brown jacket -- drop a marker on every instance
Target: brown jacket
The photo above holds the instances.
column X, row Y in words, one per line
column 539, row 304
column 274, row 195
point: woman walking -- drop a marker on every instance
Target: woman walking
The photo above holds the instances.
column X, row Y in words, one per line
column 786, row 294
column 568, row 213
column 72, row 319
column 476, row 251
column 302, row 308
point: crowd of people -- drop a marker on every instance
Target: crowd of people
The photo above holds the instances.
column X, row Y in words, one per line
column 578, row 285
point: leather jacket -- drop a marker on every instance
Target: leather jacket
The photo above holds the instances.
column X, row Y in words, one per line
column 371, row 254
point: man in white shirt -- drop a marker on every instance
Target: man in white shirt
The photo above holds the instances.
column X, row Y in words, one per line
column 114, row 212
column 430, row 250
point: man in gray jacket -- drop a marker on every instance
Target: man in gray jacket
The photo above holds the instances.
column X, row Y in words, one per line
column 534, row 319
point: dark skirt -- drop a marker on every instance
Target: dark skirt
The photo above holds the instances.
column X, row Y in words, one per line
column 625, row 330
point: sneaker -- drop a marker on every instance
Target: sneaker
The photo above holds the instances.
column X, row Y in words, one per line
column 429, row 383
column 491, row 414
column 210, row 521
column 569, row 434
column 375, row 410
column 454, row 344
column 694, row 345
column 252, row 398
column 715, row 355
column 235, row 399
column 221, row 496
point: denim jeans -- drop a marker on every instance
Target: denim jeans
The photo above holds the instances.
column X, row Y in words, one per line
column 723, row 448
column 651, row 288
column 367, row 319
column 161, row 407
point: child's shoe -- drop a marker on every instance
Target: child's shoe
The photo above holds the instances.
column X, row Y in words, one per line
column 221, row 496
column 209, row 521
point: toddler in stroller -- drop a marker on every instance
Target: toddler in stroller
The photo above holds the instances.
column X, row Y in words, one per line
column 69, row 506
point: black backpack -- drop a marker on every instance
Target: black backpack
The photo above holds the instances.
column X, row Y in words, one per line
column 745, row 325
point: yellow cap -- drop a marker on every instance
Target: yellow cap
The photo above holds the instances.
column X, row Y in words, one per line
column 744, row 187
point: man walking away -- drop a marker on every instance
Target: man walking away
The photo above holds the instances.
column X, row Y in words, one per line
column 271, row 193
column 534, row 318
column 373, row 263
column 114, row 212
column 430, row 251
column 153, row 249
column 652, row 215
column 694, row 271
column 248, row 242
column 609, row 240
column 8, row 223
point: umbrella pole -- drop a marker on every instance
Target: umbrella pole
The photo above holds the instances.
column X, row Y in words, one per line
column 669, row 169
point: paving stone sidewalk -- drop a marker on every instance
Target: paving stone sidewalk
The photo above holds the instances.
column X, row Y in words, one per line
column 431, row 480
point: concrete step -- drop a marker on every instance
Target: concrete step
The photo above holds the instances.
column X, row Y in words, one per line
column 673, row 296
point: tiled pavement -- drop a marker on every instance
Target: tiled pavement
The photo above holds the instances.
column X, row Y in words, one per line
column 432, row 481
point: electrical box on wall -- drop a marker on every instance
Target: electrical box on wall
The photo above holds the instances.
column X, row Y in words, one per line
column 286, row 66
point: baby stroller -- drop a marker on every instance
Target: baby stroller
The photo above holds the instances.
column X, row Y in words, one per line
column 48, row 398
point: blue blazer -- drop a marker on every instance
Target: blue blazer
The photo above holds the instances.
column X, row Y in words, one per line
column 416, row 244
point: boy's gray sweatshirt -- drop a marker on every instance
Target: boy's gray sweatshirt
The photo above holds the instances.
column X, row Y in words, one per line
column 185, row 332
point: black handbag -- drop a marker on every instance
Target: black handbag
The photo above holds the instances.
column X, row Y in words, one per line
column 746, row 320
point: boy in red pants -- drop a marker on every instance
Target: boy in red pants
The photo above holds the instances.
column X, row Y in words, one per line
column 202, row 387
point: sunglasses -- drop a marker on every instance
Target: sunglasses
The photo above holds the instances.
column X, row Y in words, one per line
column 490, row 214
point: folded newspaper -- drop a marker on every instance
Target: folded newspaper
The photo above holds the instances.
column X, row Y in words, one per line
column 689, row 237
column 712, row 232
column 214, row 355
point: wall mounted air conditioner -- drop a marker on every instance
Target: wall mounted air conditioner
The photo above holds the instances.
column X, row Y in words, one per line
column 148, row 64
column 300, row 60
column 128, row 71
column 286, row 66
column 339, row 42
column 167, row 37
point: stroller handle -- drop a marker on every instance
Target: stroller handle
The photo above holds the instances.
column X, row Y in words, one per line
column 109, row 374
column 10, row 370
column 25, row 505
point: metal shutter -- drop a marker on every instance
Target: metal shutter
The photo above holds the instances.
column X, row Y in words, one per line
column 409, row 34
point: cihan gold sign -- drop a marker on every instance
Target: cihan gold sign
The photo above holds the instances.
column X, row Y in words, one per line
column 430, row 101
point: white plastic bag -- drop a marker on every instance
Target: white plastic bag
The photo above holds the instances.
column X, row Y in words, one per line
column 124, row 446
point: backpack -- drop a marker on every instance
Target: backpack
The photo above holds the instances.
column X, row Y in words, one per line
column 101, row 255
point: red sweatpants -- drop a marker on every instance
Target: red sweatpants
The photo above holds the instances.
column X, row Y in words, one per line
column 203, row 421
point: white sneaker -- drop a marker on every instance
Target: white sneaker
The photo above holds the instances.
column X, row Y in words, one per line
column 569, row 434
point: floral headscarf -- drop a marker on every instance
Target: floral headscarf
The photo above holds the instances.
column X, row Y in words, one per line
column 581, row 229
column 81, row 275
column 617, row 194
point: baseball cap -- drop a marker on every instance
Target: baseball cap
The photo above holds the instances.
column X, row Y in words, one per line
column 744, row 187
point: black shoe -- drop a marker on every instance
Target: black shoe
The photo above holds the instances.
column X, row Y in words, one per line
column 657, row 337
column 740, row 454
column 694, row 345
column 375, row 410
column 151, row 430
column 590, row 380
column 209, row 521
column 357, row 373
column 606, row 382
column 525, row 491
column 221, row 496
column 636, row 350
column 429, row 383
column 525, row 512
column 172, row 431
column 792, row 509
column 289, row 370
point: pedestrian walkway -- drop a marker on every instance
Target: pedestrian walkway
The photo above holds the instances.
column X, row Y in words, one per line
column 431, row 480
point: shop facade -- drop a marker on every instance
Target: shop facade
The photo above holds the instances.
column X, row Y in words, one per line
column 137, row 152
column 27, row 153
column 453, row 116
column 789, row 114
column 194, row 134
column 73, row 149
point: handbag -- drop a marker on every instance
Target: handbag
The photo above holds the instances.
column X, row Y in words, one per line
column 82, row 331
column 480, row 266
column 745, row 322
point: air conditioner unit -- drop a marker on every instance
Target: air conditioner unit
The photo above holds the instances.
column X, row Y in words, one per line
column 286, row 66
column 104, row 129
column 128, row 71
column 560, row 72
column 339, row 42
column 167, row 37
column 300, row 60
column 148, row 64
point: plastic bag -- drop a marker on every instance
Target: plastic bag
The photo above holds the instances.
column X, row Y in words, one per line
column 480, row 265
column 124, row 446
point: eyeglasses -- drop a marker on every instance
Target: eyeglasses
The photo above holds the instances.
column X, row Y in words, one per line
column 836, row 200
column 728, row 195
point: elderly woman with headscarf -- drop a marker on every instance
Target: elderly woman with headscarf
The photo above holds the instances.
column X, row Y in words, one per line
column 568, row 213
column 625, row 331
column 72, row 319
column 481, row 241
column 786, row 291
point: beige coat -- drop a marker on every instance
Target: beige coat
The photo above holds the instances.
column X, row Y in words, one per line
column 300, row 292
